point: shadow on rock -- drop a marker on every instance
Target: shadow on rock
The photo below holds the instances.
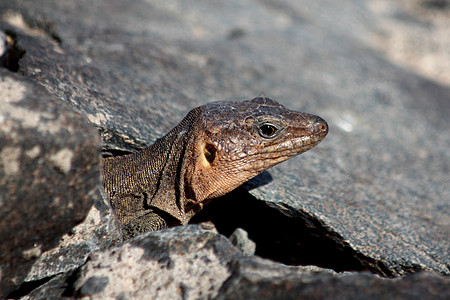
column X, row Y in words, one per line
column 284, row 234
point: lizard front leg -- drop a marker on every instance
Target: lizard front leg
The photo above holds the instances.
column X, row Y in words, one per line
column 136, row 217
column 150, row 221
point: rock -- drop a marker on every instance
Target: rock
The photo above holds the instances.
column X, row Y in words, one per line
column 372, row 196
column 99, row 230
column 191, row 263
column 255, row 278
column 239, row 239
column 182, row 262
column 414, row 34
column 55, row 288
column 49, row 174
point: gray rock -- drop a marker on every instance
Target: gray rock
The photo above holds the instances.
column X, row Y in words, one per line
column 239, row 239
column 191, row 263
column 99, row 230
column 55, row 288
column 49, row 174
column 182, row 262
column 373, row 196
column 255, row 278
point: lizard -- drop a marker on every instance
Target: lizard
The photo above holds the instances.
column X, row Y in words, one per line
column 213, row 150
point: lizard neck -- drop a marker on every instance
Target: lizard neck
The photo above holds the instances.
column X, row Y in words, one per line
column 173, row 153
column 157, row 174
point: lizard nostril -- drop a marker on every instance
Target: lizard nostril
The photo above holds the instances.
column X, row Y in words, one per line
column 319, row 124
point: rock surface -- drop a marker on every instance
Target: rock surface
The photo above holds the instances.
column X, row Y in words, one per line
column 239, row 239
column 182, row 262
column 373, row 196
column 100, row 229
column 191, row 263
column 49, row 174
column 255, row 278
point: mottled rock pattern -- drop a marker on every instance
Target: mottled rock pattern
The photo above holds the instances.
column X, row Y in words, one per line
column 182, row 262
column 239, row 239
column 191, row 263
column 49, row 174
column 376, row 189
column 99, row 230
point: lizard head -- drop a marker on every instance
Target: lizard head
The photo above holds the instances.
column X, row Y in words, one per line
column 238, row 140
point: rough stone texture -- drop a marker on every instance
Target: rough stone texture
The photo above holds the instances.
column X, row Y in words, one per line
column 191, row 263
column 255, row 278
column 49, row 174
column 375, row 191
column 239, row 239
column 99, row 230
column 55, row 288
column 181, row 262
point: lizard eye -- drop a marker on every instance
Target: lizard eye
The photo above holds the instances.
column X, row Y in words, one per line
column 268, row 130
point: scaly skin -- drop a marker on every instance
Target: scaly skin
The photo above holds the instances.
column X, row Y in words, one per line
column 216, row 148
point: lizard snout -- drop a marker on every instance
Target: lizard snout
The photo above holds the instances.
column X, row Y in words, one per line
column 318, row 125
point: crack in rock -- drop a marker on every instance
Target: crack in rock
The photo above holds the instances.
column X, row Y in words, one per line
column 290, row 236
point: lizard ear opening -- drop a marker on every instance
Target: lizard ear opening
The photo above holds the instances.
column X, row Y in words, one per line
column 209, row 151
